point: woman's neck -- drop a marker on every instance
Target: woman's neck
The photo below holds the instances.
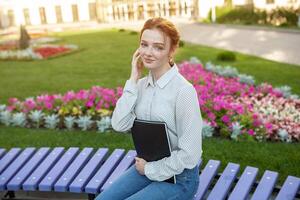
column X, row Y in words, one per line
column 157, row 73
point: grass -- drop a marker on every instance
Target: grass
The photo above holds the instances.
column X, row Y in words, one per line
column 104, row 59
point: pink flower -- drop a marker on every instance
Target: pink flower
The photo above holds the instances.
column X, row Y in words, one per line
column 251, row 132
column 211, row 116
column 89, row 103
column 225, row 119
column 12, row 101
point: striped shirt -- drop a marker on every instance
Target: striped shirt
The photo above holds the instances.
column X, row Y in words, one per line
column 171, row 99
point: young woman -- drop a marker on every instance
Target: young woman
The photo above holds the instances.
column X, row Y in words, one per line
column 163, row 95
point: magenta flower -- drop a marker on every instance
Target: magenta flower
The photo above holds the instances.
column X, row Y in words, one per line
column 251, row 132
column 225, row 119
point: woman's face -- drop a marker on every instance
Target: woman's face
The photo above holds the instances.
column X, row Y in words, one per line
column 154, row 48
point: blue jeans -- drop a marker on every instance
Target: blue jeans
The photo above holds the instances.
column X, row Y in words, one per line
column 133, row 186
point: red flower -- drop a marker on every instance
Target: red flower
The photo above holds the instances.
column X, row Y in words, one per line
column 46, row 52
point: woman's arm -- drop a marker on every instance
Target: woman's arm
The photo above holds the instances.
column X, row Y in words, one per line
column 123, row 115
column 189, row 128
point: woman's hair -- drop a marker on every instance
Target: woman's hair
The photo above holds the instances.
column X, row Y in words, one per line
column 165, row 26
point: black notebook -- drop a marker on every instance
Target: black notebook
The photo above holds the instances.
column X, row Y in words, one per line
column 151, row 141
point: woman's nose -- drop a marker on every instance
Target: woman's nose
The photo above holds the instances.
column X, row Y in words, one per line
column 148, row 51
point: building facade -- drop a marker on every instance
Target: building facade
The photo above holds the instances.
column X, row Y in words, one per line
column 37, row 12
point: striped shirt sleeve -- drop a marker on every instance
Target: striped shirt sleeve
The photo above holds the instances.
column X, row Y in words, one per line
column 123, row 114
column 189, row 127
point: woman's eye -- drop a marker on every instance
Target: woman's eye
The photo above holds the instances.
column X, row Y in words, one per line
column 143, row 45
column 159, row 48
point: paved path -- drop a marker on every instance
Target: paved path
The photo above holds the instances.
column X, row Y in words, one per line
column 282, row 46
column 270, row 43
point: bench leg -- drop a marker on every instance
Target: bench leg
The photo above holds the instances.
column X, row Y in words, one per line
column 91, row 196
column 10, row 195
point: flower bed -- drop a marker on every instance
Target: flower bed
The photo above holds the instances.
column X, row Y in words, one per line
column 232, row 106
column 38, row 49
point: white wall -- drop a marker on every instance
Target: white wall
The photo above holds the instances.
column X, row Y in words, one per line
column 66, row 6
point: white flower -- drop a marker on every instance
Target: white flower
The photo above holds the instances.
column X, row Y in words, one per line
column 18, row 119
column 104, row 123
column 69, row 122
column 236, row 130
column 5, row 117
column 84, row 122
column 36, row 116
column 283, row 134
column 2, row 107
column 51, row 121
column 243, row 78
column 194, row 60
column 207, row 130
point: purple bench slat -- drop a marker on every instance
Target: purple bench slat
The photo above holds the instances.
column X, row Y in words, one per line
column 2, row 153
column 123, row 166
column 32, row 181
column 62, row 185
column 88, row 171
column 47, row 183
column 10, row 171
column 243, row 186
column 206, row 177
column 8, row 158
column 265, row 187
column 99, row 178
column 289, row 189
column 222, row 187
column 15, row 183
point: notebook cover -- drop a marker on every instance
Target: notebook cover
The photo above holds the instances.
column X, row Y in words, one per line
column 151, row 141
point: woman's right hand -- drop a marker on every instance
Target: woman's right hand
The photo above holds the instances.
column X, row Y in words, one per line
column 136, row 66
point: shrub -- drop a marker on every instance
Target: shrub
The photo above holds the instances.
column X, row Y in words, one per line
column 133, row 33
column 248, row 15
column 226, row 56
column 181, row 43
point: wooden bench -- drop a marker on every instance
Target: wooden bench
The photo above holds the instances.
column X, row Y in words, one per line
column 91, row 171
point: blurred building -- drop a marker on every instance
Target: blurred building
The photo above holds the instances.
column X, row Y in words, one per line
column 37, row 12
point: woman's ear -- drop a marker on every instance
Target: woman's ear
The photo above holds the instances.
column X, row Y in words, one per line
column 172, row 51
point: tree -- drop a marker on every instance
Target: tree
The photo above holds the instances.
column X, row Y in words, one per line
column 24, row 38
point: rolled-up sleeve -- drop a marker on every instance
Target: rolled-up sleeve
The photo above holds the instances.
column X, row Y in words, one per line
column 188, row 127
column 123, row 115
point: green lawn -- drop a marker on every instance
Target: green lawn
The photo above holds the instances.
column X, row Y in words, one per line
column 104, row 60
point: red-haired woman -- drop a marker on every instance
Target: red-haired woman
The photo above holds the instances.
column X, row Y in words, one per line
column 163, row 95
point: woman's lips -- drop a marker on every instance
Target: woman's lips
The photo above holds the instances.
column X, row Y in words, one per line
column 148, row 61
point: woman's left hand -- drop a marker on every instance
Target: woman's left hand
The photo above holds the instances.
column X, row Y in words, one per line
column 140, row 165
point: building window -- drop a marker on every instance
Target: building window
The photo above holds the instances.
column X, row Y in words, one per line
column 43, row 15
column 26, row 16
column 141, row 12
column 58, row 14
column 270, row 1
column 151, row 11
column 11, row 18
column 172, row 8
column 130, row 12
column 92, row 11
column 75, row 13
column 164, row 9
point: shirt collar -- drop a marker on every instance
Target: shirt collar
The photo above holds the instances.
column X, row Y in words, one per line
column 164, row 79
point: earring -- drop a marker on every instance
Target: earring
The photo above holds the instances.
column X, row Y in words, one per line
column 171, row 62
